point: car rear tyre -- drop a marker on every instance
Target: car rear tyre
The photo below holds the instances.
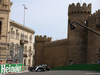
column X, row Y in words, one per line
column 40, row 70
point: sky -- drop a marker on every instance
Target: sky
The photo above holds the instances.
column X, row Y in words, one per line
column 47, row 17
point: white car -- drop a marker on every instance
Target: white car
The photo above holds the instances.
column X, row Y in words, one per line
column 39, row 68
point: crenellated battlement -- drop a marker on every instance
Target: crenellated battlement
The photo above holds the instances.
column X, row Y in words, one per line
column 62, row 42
column 92, row 16
column 95, row 15
column 42, row 39
column 5, row 5
column 98, row 14
column 98, row 19
column 78, row 9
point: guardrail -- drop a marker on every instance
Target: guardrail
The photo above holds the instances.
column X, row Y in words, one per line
column 92, row 67
column 7, row 68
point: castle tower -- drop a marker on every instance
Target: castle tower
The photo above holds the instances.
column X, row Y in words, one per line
column 98, row 19
column 94, row 42
column 77, row 38
column 39, row 46
column 5, row 7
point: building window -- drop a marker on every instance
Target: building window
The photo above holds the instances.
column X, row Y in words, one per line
column 17, row 34
column 25, row 49
column 30, row 51
column 0, row 27
column 12, row 33
column 26, row 37
column 29, row 62
column 30, row 39
column 22, row 36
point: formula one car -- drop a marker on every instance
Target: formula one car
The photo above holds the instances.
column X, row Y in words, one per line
column 39, row 68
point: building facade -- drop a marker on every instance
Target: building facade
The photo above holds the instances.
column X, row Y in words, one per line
column 5, row 8
column 81, row 46
column 19, row 33
column 15, row 33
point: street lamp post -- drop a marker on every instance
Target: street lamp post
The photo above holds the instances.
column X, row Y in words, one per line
column 24, row 15
column 23, row 40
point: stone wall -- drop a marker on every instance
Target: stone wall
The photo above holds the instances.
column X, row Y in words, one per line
column 93, row 53
column 51, row 53
column 39, row 46
column 81, row 46
column 55, row 53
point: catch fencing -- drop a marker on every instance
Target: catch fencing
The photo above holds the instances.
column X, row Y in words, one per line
column 10, row 51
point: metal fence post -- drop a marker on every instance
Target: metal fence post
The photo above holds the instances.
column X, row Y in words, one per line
column 13, row 52
column 21, row 54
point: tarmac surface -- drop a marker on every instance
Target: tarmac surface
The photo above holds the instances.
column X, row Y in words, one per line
column 66, row 72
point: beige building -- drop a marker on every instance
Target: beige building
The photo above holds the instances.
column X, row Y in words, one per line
column 12, row 32
column 17, row 34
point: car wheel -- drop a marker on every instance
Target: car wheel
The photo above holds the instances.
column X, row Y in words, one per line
column 40, row 70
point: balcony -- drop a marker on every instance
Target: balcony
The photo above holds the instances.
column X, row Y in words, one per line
column 24, row 55
column 23, row 41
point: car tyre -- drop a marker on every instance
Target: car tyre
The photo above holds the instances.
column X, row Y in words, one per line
column 40, row 70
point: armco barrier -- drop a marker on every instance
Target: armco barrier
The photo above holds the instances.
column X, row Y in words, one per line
column 92, row 67
column 8, row 68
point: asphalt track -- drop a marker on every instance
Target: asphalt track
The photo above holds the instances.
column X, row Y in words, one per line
column 58, row 73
